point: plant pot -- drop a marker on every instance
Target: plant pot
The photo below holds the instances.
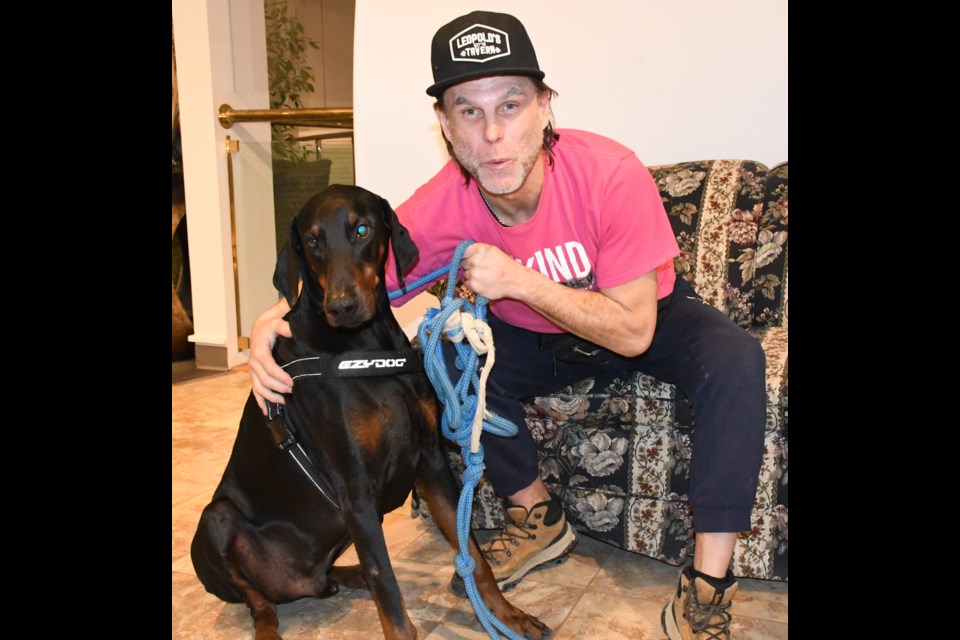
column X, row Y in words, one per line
column 295, row 182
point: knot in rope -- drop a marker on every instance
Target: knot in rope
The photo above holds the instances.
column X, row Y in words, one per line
column 465, row 565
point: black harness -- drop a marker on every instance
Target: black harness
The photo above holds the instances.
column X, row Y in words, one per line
column 348, row 364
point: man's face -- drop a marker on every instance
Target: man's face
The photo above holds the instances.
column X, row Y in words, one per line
column 495, row 126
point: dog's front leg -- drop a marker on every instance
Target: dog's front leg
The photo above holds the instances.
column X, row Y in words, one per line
column 436, row 483
column 367, row 533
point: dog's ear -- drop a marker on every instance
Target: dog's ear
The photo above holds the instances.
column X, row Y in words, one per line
column 405, row 252
column 290, row 265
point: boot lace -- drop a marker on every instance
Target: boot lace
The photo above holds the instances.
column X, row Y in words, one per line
column 508, row 540
column 711, row 619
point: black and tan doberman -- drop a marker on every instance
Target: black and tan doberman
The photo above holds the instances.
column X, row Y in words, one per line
column 278, row 521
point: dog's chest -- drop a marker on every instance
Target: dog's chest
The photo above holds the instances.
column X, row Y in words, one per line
column 379, row 421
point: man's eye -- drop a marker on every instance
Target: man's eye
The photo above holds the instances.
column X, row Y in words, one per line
column 312, row 242
column 363, row 230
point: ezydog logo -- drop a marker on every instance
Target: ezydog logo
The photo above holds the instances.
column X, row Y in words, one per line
column 378, row 363
column 479, row 43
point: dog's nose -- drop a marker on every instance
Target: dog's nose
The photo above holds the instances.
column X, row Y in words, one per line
column 341, row 306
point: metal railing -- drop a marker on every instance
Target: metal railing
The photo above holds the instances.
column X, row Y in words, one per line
column 330, row 118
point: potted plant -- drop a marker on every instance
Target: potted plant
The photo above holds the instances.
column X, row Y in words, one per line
column 298, row 172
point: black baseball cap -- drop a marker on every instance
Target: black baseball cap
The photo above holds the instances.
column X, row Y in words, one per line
column 482, row 43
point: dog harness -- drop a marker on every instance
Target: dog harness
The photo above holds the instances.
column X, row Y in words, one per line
column 348, row 364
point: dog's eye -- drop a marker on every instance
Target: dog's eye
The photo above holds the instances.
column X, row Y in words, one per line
column 363, row 230
column 311, row 242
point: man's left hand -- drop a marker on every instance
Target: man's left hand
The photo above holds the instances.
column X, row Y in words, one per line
column 491, row 273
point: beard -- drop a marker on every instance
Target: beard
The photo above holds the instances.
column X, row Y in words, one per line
column 501, row 182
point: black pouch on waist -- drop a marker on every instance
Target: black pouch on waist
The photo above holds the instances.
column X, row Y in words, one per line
column 567, row 347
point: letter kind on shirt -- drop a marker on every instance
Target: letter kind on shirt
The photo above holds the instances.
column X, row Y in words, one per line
column 567, row 264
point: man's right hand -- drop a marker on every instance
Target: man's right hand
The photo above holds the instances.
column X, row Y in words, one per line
column 269, row 380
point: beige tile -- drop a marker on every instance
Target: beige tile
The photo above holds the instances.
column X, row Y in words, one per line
column 182, row 537
column 752, row 629
column 183, row 490
column 446, row 631
column 429, row 548
column 424, row 589
column 348, row 614
column 189, row 510
column 763, row 599
column 603, row 616
column 198, row 614
column 197, row 389
column 634, row 576
column 399, row 534
column 202, row 470
column 229, row 421
column 209, row 406
column 548, row 602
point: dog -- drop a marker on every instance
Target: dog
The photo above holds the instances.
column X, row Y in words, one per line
column 272, row 531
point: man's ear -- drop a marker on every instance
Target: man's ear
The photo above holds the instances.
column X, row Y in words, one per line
column 544, row 99
column 444, row 121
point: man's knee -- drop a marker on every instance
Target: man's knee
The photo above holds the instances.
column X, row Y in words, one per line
column 737, row 355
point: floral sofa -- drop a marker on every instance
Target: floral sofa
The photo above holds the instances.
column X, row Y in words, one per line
column 616, row 449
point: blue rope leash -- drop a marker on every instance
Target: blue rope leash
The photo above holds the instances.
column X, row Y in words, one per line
column 459, row 410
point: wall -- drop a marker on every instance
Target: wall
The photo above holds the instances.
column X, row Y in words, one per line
column 330, row 24
column 674, row 81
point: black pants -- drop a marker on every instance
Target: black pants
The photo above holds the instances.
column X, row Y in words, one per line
column 717, row 365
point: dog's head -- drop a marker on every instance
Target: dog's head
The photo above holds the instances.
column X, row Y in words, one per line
column 338, row 248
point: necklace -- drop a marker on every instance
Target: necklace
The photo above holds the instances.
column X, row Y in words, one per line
column 492, row 212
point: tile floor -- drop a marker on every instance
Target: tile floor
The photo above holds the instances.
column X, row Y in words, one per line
column 600, row 593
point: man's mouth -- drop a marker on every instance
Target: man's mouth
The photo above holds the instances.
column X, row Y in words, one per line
column 497, row 163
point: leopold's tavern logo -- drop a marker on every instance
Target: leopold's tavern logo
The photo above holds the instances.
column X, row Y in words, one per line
column 479, row 43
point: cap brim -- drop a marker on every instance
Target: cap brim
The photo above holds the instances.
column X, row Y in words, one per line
column 435, row 90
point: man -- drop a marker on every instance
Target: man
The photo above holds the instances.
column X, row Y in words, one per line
column 607, row 285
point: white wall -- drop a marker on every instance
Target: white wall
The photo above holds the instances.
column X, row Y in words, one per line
column 674, row 81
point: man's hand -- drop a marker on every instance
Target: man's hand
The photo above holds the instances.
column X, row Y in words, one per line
column 269, row 380
column 491, row 273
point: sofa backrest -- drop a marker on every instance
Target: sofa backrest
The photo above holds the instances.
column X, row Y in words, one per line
column 732, row 244
column 770, row 269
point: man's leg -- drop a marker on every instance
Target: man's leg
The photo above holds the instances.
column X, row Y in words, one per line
column 721, row 369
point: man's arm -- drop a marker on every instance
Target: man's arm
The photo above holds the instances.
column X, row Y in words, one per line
column 269, row 380
column 620, row 318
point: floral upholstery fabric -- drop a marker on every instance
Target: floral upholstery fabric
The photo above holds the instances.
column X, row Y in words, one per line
column 616, row 449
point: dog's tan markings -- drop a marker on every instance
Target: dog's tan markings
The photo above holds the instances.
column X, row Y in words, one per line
column 368, row 428
column 428, row 410
column 370, row 277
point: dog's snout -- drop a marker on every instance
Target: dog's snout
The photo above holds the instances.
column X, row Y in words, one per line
column 341, row 306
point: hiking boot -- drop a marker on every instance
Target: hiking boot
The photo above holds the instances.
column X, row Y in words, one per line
column 700, row 610
column 530, row 539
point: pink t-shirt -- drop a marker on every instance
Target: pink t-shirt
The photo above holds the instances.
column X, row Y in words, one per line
column 600, row 223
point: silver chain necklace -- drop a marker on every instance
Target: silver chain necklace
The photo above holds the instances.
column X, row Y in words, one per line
column 492, row 212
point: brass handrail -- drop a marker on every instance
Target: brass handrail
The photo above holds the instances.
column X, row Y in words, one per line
column 331, row 118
